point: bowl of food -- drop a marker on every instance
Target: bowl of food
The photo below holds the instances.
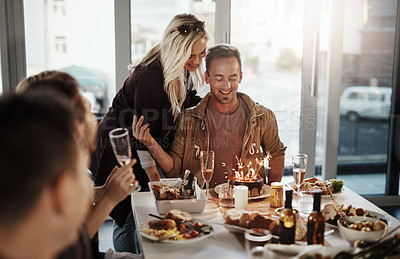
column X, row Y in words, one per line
column 167, row 196
column 354, row 228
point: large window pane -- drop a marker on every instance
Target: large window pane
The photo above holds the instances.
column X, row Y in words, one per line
column 368, row 52
column 269, row 35
column 146, row 32
column 68, row 35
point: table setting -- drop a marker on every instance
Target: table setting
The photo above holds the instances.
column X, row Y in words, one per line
column 239, row 222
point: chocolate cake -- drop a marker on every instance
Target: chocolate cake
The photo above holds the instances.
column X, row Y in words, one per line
column 255, row 186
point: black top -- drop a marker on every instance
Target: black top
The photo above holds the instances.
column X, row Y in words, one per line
column 142, row 94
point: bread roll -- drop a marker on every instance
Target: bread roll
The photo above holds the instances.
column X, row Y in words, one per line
column 301, row 229
column 244, row 220
column 247, row 219
column 232, row 216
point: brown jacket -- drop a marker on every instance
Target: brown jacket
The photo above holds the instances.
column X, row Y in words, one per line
column 192, row 136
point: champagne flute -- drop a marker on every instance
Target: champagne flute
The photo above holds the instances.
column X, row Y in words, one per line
column 299, row 167
column 207, row 168
column 121, row 146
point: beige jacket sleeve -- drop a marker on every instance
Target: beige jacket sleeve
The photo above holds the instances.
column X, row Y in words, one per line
column 270, row 139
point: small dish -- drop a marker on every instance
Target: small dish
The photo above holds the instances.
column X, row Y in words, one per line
column 351, row 235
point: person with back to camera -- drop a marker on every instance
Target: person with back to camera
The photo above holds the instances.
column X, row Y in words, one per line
column 45, row 193
column 117, row 186
column 160, row 86
column 225, row 121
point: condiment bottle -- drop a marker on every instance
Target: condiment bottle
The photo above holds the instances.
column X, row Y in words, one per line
column 276, row 197
column 287, row 221
column 316, row 222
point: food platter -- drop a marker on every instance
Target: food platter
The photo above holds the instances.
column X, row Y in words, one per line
column 201, row 236
column 266, row 189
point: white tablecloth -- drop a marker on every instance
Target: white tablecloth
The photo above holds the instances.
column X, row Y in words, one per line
column 223, row 244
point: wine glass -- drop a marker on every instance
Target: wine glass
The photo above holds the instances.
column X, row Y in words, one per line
column 299, row 164
column 121, row 146
column 207, row 167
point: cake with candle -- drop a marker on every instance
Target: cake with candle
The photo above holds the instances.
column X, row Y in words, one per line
column 255, row 185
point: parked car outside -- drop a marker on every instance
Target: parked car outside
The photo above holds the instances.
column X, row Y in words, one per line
column 365, row 102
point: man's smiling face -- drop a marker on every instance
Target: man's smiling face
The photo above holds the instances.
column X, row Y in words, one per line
column 224, row 78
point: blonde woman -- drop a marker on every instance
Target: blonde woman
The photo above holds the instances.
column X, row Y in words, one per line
column 159, row 88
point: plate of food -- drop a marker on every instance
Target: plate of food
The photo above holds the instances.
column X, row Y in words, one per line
column 181, row 226
column 312, row 184
column 259, row 194
column 331, row 214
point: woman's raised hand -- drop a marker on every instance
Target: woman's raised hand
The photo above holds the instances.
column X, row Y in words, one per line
column 120, row 183
column 142, row 132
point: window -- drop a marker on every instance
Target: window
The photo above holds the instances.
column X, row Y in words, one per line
column 376, row 97
column 79, row 42
column 59, row 7
column 60, row 44
column 269, row 35
column 356, row 96
column 364, row 127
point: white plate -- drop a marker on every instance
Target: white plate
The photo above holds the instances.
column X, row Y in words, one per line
column 325, row 251
column 230, row 228
column 186, row 241
column 372, row 214
column 265, row 191
column 286, row 251
column 325, row 196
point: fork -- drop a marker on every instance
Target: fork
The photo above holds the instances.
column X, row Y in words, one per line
column 179, row 184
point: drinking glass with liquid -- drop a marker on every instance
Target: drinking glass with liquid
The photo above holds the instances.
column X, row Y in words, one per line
column 299, row 168
column 121, row 147
column 226, row 196
column 207, row 168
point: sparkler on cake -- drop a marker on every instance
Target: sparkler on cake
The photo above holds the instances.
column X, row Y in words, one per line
column 247, row 175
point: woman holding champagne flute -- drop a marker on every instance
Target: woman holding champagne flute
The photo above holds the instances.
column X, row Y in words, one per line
column 160, row 86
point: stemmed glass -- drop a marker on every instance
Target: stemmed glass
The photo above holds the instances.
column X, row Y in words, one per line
column 207, row 168
column 299, row 164
column 121, row 146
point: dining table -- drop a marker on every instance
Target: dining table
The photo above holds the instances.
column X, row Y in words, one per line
column 223, row 243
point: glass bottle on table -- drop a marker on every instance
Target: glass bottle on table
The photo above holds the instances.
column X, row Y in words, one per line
column 316, row 222
column 287, row 221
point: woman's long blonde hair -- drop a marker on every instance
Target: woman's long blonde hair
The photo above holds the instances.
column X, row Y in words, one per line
column 174, row 50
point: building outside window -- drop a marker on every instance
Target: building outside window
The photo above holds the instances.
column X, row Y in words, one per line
column 67, row 36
